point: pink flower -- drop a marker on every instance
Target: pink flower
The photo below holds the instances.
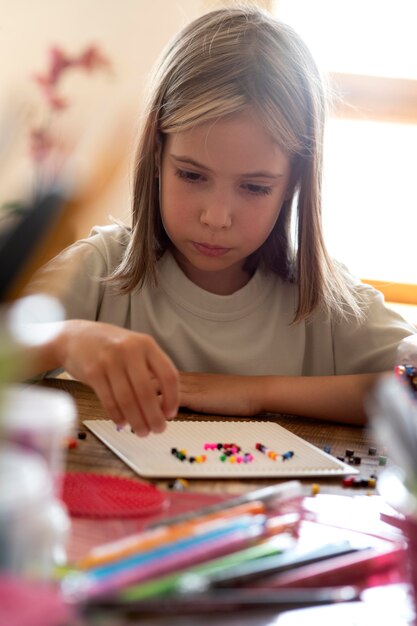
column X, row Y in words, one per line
column 58, row 62
column 92, row 59
column 54, row 101
column 41, row 144
column 89, row 60
column 41, row 140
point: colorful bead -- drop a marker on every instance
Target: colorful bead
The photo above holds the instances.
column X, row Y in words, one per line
column 271, row 454
column 181, row 455
column 408, row 374
column 229, row 452
column 179, row 484
column 315, row 489
column 358, row 481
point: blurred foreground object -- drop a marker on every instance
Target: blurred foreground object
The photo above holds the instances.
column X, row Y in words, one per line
column 34, row 525
column 392, row 408
column 19, row 242
column 24, row 325
column 28, row 603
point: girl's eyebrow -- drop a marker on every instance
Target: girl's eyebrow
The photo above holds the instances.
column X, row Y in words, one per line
column 259, row 174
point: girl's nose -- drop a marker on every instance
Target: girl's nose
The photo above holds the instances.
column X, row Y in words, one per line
column 217, row 214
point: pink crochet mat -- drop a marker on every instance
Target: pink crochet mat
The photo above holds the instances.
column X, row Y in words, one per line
column 105, row 496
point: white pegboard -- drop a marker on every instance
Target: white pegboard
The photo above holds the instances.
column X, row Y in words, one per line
column 151, row 456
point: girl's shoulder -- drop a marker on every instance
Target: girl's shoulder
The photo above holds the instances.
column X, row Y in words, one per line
column 108, row 242
column 109, row 236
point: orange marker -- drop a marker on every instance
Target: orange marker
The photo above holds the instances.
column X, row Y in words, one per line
column 149, row 539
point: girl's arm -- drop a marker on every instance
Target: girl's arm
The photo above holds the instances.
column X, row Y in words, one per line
column 125, row 369
column 335, row 398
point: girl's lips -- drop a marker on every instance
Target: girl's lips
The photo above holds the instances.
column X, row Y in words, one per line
column 209, row 250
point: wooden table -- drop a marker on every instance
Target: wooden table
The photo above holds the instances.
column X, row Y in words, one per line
column 92, row 455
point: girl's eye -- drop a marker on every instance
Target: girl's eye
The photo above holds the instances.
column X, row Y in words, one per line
column 257, row 190
column 189, row 177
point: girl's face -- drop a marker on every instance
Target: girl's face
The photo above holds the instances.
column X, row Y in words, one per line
column 223, row 186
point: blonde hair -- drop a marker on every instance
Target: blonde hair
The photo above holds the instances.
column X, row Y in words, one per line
column 219, row 64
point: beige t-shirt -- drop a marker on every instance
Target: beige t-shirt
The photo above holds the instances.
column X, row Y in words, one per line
column 248, row 332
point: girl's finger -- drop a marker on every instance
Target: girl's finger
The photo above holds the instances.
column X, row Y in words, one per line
column 147, row 398
column 162, row 368
column 105, row 394
column 126, row 399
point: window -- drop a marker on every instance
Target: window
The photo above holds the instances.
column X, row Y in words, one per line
column 368, row 48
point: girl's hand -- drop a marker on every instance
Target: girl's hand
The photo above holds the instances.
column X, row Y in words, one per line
column 220, row 394
column 125, row 369
column 333, row 398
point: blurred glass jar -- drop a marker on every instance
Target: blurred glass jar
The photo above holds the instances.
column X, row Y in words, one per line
column 34, row 525
column 39, row 420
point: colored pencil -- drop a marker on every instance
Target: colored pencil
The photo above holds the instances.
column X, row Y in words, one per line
column 226, row 600
column 231, row 536
column 149, row 539
column 272, row 497
column 180, row 580
column 245, row 573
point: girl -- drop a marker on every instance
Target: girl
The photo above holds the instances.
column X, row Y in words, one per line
column 207, row 280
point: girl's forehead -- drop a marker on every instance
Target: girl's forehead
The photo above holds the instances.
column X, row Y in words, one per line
column 239, row 138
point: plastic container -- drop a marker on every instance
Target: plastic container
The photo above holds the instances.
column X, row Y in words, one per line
column 38, row 420
column 34, row 526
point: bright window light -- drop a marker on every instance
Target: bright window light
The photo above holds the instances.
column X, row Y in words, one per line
column 370, row 200
column 374, row 37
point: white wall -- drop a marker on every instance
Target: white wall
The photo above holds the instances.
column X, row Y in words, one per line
column 104, row 110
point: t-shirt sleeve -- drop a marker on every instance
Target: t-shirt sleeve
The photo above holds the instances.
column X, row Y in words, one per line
column 74, row 277
column 371, row 344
